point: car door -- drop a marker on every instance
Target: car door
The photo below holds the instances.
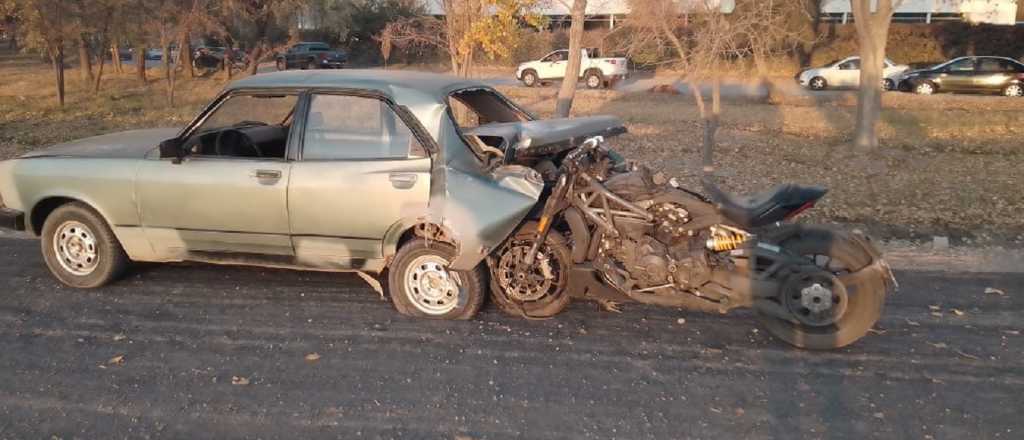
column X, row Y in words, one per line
column 222, row 202
column 847, row 73
column 992, row 74
column 360, row 172
column 959, row 75
column 553, row 65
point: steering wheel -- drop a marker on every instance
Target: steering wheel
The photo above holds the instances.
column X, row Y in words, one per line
column 231, row 142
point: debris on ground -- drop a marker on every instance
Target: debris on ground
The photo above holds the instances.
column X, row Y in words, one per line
column 116, row 360
column 239, row 380
column 994, row 291
column 312, row 357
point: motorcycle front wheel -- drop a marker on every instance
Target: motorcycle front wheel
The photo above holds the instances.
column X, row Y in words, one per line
column 829, row 311
column 537, row 292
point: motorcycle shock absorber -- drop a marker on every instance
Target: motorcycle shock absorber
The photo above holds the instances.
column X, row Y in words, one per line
column 726, row 238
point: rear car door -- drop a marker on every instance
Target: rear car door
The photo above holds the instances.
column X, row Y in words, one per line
column 361, row 170
column 993, row 74
column 847, row 73
column 553, row 65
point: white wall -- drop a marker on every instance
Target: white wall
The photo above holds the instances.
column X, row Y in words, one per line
column 980, row 11
column 598, row 7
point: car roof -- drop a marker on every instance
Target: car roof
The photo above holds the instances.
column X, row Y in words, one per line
column 397, row 84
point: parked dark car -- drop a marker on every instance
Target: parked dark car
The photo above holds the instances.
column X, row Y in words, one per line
column 967, row 74
column 311, row 56
column 211, row 57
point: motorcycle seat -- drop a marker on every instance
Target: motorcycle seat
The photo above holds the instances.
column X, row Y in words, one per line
column 765, row 207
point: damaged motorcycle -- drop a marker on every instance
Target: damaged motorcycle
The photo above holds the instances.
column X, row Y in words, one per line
column 610, row 231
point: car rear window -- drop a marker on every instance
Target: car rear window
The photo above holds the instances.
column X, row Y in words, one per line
column 319, row 48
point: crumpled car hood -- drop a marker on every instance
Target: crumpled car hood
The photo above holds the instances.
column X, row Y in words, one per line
column 132, row 144
column 549, row 136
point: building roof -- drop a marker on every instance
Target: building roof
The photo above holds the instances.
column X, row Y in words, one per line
column 394, row 83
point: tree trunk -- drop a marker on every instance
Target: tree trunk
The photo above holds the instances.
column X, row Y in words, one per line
column 168, row 72
column 254, row 58
column 84, row 60
column 115, row 57
column 872, row 33
column 567, row 92
column 99, row 74
column 185, row 53
column 57, row 56
column 139, row 58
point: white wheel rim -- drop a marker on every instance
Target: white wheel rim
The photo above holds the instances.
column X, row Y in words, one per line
column 75, row 246
column 817, row 83
column 593, row 81
column 529, row 79
column 430, row 287
column 925, row 89
column 1014, row 90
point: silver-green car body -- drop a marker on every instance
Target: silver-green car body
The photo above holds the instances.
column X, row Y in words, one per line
column 344, row 215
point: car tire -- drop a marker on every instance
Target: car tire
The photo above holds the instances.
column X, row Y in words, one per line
column 888, row 84
column 312, row 65
column 1014, row 90
column 817, row 83
column 529, row 78
column 421, row 286
column 80, row 249
column 282, row 65
column 593, row 79
column 924, row 88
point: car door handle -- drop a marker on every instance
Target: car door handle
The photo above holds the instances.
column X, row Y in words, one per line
column 267, row 174
column 402, row 180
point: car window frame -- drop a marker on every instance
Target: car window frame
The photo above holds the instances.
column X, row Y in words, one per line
column 192, row 127
column 426, row 141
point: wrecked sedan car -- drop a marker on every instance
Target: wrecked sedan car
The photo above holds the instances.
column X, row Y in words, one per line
column 447, row 191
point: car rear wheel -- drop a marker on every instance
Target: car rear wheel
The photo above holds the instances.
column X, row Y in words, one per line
column 888, row 84
column 1014, row 90
column 421, row 285
column 818, row 83
column 529, row 78
column 281, row 65
column 80, row 249
column 593, row 80
column 924, row 88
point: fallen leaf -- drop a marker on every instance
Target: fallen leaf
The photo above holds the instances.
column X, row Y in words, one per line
column 239, row 380
column 957, row 312
column 935, row 307
column 116, row 360
column 312, row 357
column 878, row 415
column 681, row 321
column 938, row 344
column 993, row 290
column 120, row 337
column 937, row 314
column 715, row 410
column 912, row 323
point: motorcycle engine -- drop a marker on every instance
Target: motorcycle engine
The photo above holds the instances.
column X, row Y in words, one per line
column 665, row 252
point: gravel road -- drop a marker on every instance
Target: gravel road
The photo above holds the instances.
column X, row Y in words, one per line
column 195, row 351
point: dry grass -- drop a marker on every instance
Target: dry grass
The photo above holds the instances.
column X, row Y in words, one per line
column 949, row 165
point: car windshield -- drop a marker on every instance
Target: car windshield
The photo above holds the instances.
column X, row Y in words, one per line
column 250, row 110
column 833, row 63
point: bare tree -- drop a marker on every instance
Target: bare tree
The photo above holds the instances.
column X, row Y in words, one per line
column 45, row 25
column 490, row 26
column 872, row 34
column 567, row 93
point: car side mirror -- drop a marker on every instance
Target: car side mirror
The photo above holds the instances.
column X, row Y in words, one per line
column 172, row 148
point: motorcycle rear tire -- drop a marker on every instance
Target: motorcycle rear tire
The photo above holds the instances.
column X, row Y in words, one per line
column 864, row 306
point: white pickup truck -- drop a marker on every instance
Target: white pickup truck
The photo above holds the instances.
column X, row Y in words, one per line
column 595, row 72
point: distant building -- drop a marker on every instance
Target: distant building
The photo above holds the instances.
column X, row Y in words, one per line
column 604, row 12
column 930, row 11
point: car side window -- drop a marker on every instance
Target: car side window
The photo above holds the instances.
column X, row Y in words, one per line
column 341, row 127
column 991, row 65
column 558, row 55
column 850, row 65
column 964, row 65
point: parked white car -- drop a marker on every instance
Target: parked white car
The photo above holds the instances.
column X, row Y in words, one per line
column 595, row 72
column 846, row 73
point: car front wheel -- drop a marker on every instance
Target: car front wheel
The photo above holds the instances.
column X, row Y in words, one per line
column 593, row 80
column 529, row 78
column 888, row 84
column 818, row 83
column 80, row 249
column 421, row 284
column 924, row 88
